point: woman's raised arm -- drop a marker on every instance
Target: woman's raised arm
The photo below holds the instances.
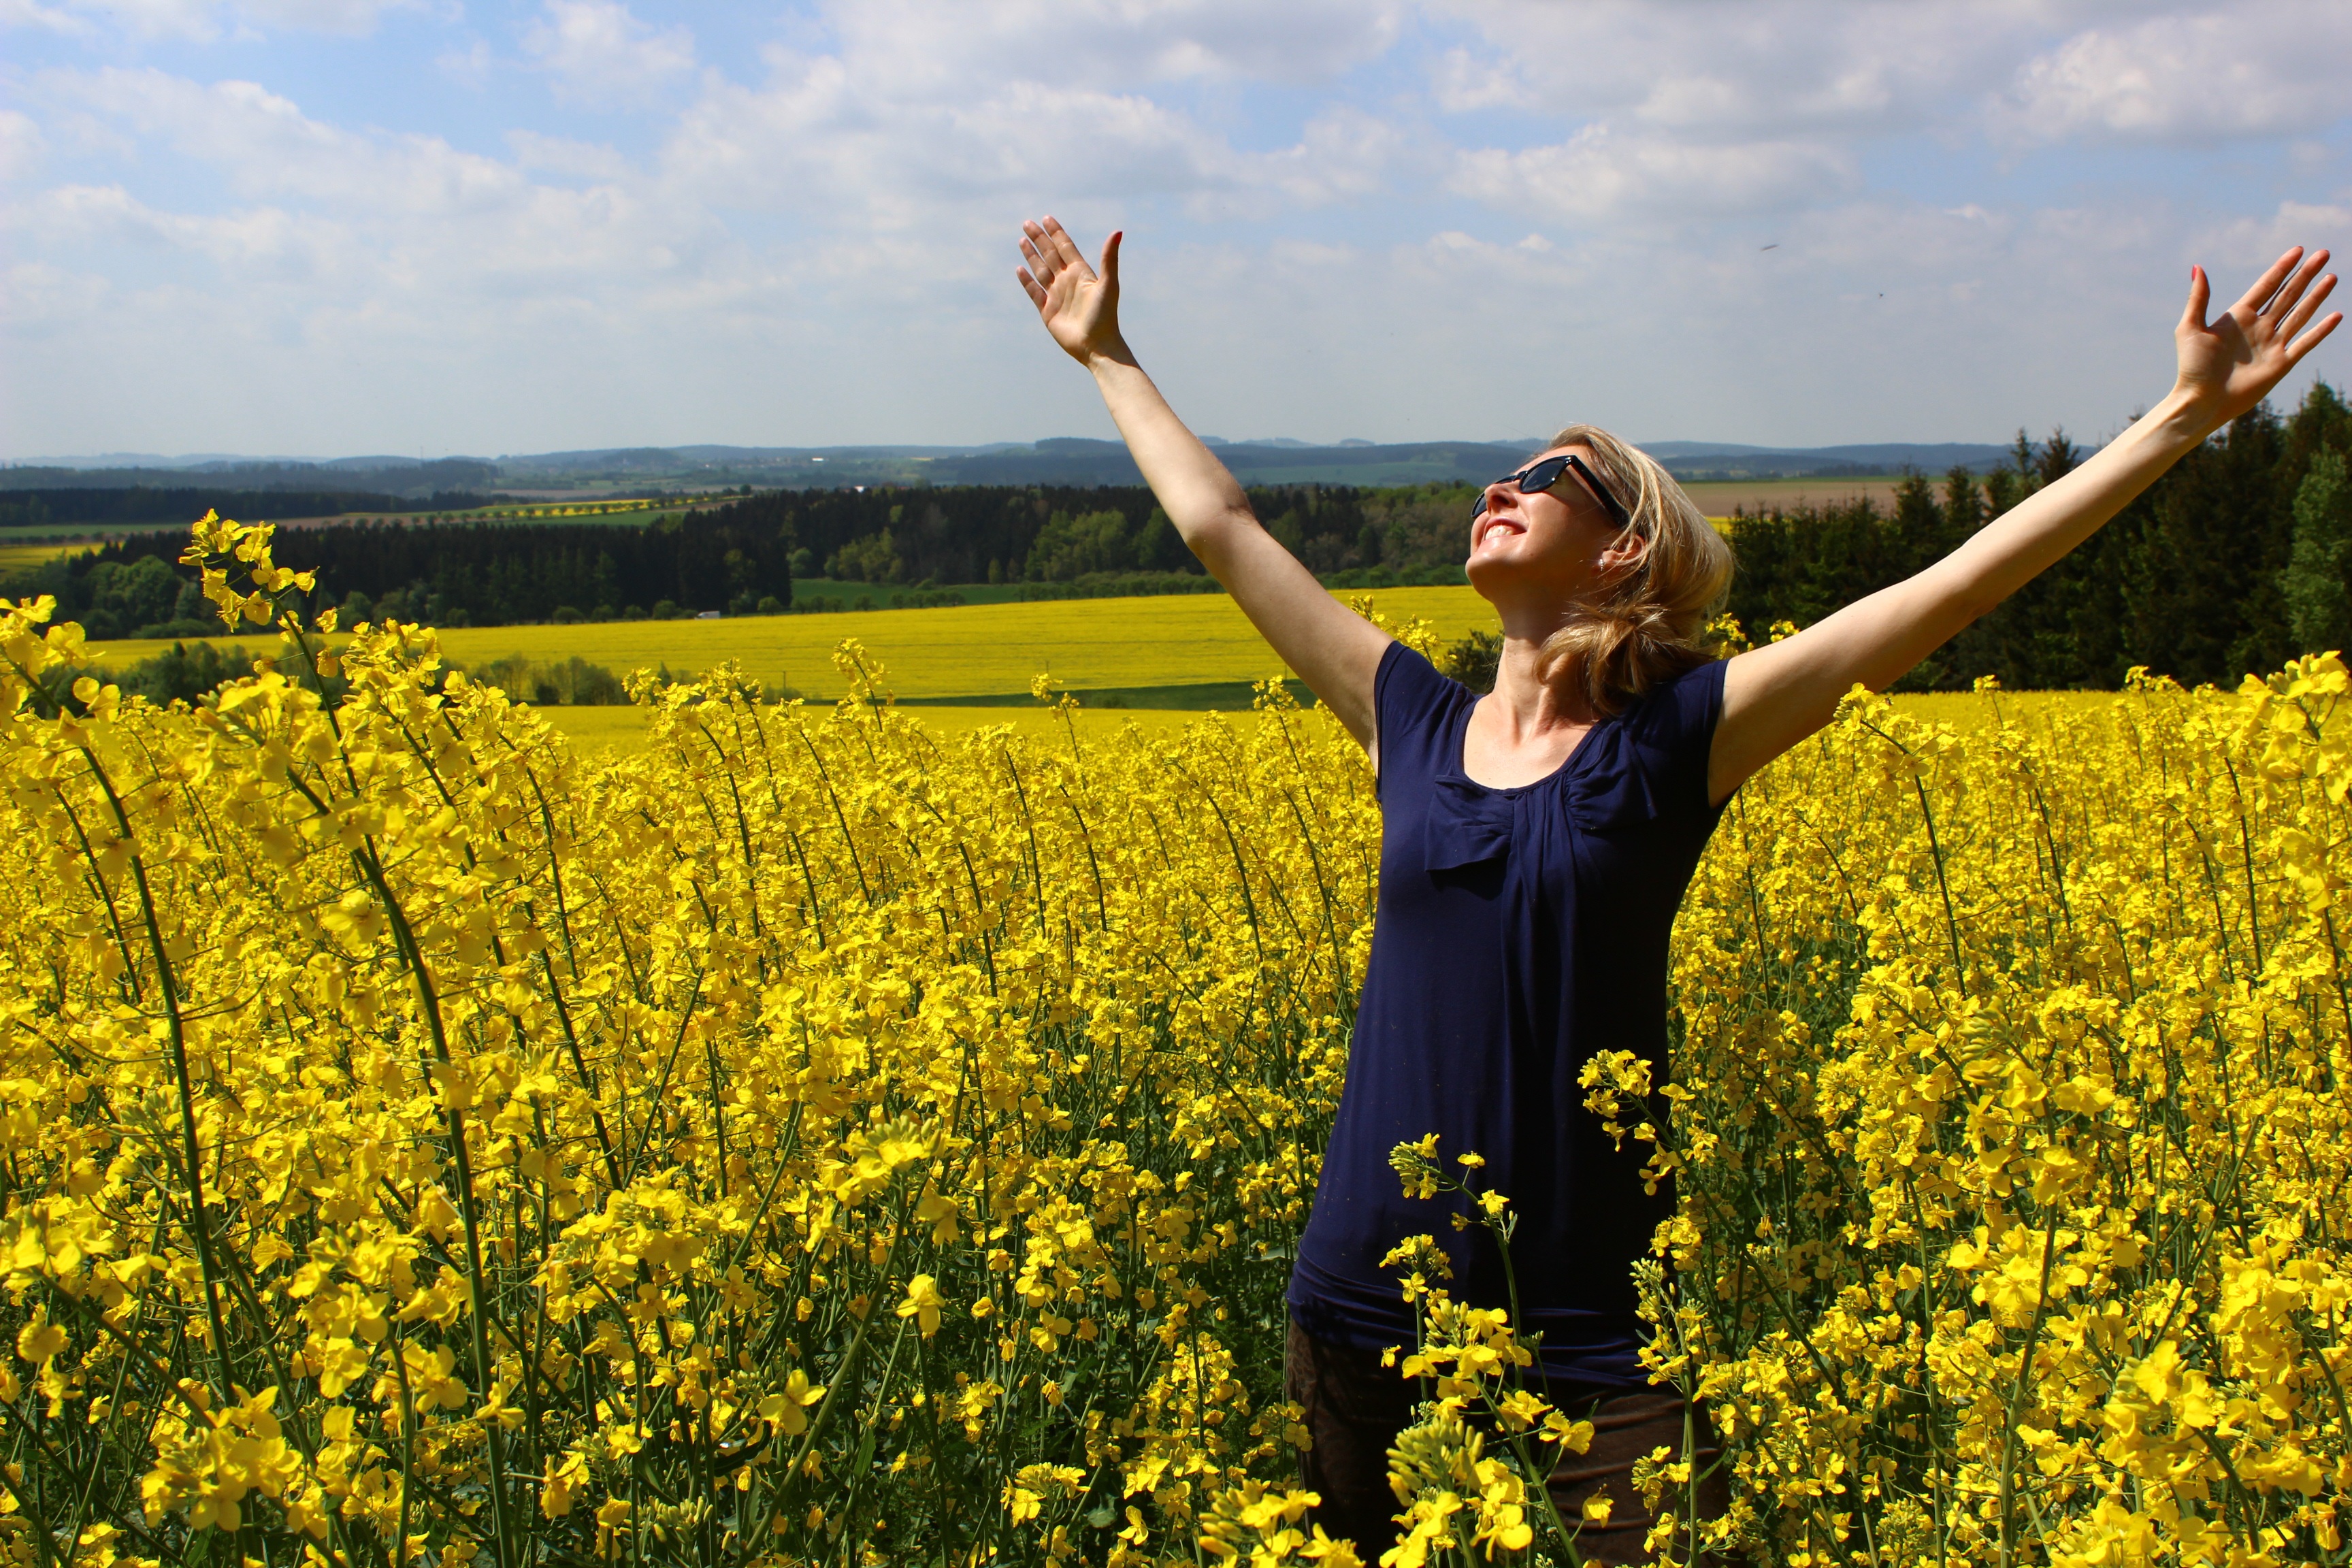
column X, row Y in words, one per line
column 1334, row 651
column 1774, row 697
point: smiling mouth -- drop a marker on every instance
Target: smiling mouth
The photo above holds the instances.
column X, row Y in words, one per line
column 1498, row 525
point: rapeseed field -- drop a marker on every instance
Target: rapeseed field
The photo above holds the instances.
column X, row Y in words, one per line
column 963, row 650
column 814, row 1138
column 16, row 557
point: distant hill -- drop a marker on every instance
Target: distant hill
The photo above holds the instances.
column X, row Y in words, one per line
column 1073, row 461
column 375, row 477
column 1063, row 460
column 1716, row 460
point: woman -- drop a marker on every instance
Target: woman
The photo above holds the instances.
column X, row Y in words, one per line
column 1536, row 842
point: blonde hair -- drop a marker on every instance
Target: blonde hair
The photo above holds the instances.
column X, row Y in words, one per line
column 1647, row 623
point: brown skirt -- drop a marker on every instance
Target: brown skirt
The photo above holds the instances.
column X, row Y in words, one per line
column 1354, row 1408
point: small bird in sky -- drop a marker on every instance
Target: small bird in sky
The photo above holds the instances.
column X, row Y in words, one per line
column 1774, row 246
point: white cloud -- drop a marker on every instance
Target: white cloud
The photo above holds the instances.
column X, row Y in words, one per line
column 814, row 241
column 1344, row 154
column 467, row 67
column 2261, row 70
column 21, row 145
column 597, row 52
column 934, row 43
column 406, row 218
column 32, row 14
column 1462, row 83
column 355, row 19
column 561, row 155
column 201, row 21
column 823, row 140
column 265, row 243
column 1769, row 67
column 1601, row 174
column 2249, row 244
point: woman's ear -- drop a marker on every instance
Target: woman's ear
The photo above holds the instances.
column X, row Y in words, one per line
column 1626, row 551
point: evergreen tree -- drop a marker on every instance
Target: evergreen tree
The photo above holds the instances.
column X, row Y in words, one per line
column 2318, row 606
column 2057, row 458
column 1964, row 503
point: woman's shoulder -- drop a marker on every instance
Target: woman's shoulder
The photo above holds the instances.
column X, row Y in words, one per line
column 1407, row 676
column 1689, row 698
column 1665, row 735
column 1413, row 696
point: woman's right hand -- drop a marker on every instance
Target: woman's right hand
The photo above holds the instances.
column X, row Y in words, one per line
column 1078, row 305
column 1335, row 650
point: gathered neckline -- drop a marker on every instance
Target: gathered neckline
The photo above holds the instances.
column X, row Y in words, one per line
column 1456, row 769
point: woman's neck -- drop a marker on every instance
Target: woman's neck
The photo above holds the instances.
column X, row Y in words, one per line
column 1528, row 705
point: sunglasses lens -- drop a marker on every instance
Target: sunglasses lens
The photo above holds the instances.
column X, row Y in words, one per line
column 1543, row 476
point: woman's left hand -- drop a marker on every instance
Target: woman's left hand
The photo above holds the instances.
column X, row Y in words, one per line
column 1774, row 695
column 2230, row 364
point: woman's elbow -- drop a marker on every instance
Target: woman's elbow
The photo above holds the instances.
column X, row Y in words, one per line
column 1212, row 535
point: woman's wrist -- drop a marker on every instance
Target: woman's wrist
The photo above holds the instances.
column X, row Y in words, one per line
column 1112, row 357
column 2182, row 421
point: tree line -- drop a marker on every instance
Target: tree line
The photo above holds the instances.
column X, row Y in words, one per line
column 1037, row 533
column 743, row 558
column 2235, row 561
column 448, row 574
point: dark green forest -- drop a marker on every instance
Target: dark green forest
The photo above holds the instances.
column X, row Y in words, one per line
column 2200, row 578
column 2235, row 561
column 449, row 574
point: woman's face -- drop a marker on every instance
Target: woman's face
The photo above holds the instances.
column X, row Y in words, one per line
column 1552, row 546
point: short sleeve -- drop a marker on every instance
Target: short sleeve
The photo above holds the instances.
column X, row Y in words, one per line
column 1674, row 731
column 1411, row 703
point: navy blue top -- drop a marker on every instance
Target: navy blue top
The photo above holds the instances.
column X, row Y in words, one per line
column 1519, row 931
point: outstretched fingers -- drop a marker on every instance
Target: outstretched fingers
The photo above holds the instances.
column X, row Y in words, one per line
column 2282, row 304
column 1065, row 250
column 2319, row 331
column 1038, row 248
column 2255, row 297
column 2295, row 307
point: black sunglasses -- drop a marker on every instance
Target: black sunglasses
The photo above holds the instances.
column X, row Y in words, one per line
column 1538, row 477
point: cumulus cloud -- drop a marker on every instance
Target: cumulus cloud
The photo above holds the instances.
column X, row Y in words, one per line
column 417, row 215
column 820, row 139
column 1091, row 42
column 199, row 21
column 1601, row 173
column 813, row 221
column 597, row 52
column 2260, row 70
column 843, row 138
column 353, row 18
column 2253, row 242
column 49, row 18
column 21, row 145
column 263, row 242
column 1770, row 68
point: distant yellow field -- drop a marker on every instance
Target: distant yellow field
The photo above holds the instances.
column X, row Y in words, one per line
column 963, row 650
column 14, row 556
column 624, row 729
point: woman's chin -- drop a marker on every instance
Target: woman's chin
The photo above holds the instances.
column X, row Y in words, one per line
column 1490, row 569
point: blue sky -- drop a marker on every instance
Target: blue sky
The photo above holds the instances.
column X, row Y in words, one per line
column 341, row 227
